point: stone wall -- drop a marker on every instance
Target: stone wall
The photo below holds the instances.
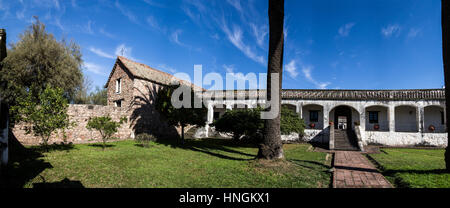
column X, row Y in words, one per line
column 80, row 114
column 127, row 85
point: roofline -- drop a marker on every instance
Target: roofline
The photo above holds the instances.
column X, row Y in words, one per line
column 146, row 66
column 333, row 90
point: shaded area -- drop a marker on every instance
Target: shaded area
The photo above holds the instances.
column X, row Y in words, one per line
column 212, row 147
column 311, row 165
column 146, row 119
column 24, row 164
column 65, row 183
column 54, row 147
column 101, row 145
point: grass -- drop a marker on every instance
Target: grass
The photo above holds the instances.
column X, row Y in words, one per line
column 199, row 163
column 413, row 168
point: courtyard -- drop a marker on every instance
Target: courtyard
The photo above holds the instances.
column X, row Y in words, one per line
column 206, row 163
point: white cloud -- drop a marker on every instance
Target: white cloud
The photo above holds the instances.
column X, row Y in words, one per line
column 94, row 68
column 307, row 73
column 260, row 33
column 101, row 53
column 239, row 77
column 153, row 3
column 154, row 24
column 413, row 32
column 123, row 50
column 88, row 29
column 390, row 30
column 236, row 4
column 174, row 37
column 105, row 33
column 344, row 30
column 235, row 37
column 167, row 68
column 291, row 68
column 126, row 12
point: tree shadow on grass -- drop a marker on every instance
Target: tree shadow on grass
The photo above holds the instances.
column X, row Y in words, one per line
column 211, row 147
column 65, row 183
column 24, row 164
column 101, row 145
column 54, row 147
column 311, row 164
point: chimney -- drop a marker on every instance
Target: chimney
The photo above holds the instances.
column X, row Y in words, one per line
column 2, row 44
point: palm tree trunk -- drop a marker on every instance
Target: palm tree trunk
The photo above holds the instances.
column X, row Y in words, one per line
column 272, row 147
column 182, row 134
column 446, row 57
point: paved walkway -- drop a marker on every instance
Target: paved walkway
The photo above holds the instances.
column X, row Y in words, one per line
column 353, row 170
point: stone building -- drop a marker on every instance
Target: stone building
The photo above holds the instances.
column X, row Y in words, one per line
column 347, row 119
column 344, row 119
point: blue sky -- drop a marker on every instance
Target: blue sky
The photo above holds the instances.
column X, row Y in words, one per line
column 354, row 44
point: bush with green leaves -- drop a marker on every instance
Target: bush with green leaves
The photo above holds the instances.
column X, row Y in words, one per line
column 248, row 122
column 45, row 114
column 105, row 126
column 145, row 139
column 240, row 122
column 291, row 122
column 183, row 116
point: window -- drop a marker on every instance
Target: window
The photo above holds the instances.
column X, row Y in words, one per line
column 118, row 103
column 314, row 116
column 216, row 115
column 118, row 86
column 373, row 116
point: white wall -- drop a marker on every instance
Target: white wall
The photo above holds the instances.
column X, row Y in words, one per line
column 383, row 119
column 306, row 113
column 406, row 119
column 432, row 116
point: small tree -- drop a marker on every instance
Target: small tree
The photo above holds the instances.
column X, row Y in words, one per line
column 291, row 122
column 45, row 115
column 240, row 122
column 248, row 122
column 105, row 125
column 180, row 116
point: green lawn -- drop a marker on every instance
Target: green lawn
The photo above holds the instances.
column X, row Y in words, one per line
column 198, row 163
column 414, row 168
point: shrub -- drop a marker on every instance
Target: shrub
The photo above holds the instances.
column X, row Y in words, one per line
column 240, row 122
column 291, row 122
column 247, row 122
column 145, row 139
column 46, row 115
column 105, row 125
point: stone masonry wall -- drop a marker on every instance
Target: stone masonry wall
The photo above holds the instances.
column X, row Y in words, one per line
column 126, row 94
column 80, row 114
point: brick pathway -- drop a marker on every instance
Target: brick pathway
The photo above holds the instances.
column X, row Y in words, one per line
column 353, row 170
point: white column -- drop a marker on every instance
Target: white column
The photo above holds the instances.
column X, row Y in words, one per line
column 362, row 120
column 209, row 118
column 391, row 118
column 420, row 119
column 229, row 107
column 299, row 109
column 210, row 113
column 326, row 113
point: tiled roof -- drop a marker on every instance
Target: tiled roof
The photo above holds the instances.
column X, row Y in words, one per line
column 142, row 71
column 417, row 94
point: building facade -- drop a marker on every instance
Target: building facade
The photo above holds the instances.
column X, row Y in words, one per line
column 382, row 117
